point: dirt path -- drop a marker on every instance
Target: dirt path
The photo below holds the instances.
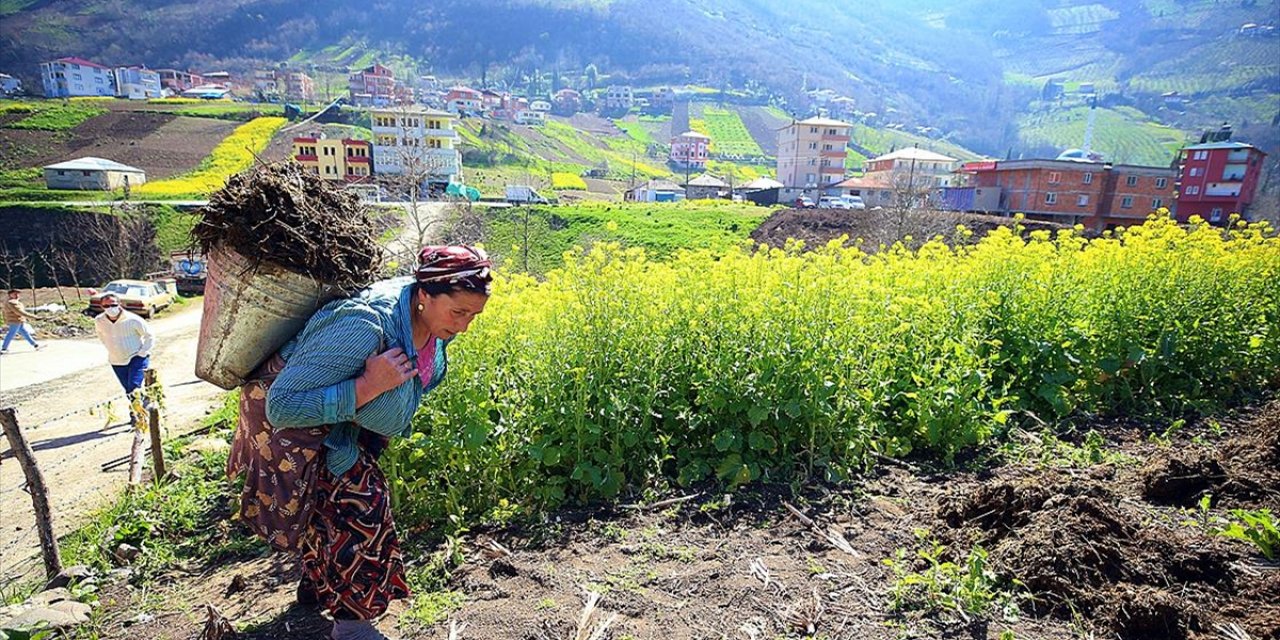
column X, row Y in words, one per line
column 53, row 391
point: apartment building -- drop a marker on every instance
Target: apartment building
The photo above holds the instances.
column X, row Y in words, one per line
column 137, row 83
column 690, row 149
column 811, row 154
column 71, row 77
column 417, row 142
column 344, row 159
column 1217, row 179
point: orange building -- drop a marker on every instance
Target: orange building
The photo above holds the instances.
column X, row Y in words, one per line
column 335, row 158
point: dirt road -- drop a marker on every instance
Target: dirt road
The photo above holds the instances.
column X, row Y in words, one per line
column 53, row 391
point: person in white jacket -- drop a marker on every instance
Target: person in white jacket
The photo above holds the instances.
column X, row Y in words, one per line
column 129, row 341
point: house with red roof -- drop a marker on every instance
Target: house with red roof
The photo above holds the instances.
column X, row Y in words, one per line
column 71, row 77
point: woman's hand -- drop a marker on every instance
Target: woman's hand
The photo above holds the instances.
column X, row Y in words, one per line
column 382, row 373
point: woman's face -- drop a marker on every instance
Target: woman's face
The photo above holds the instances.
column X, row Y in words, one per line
column 449, row 314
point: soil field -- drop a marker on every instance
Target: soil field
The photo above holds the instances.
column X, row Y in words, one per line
column 162, row 144
column 1102, row 548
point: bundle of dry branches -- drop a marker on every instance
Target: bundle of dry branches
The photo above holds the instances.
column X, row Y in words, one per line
column 281, row 214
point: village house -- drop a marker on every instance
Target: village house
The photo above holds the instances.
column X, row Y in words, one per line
column 566, row 102
column 811, row 155
column 927, row 167
column 491, row 100
column 418, row 142
column 706, row 187
column 1069, row 190
column 92, row 174
column 343, row 159
column 72, row 77
column 535, row 114
column 299, row 87
column 376, row 86
column 655, row 191
column 207, row 92
column 463, row 100
column 1217, row 178
column 9, row 85
column 178, row 81
column 689, row 150
column 137, row 83
column 618, row 97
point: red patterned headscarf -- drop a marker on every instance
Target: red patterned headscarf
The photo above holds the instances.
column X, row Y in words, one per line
column 466, row 267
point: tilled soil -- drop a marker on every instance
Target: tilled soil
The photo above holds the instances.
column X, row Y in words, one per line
column 161, row 144
column 1093, row 554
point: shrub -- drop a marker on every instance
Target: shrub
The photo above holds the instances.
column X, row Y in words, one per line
column 561, row 180
column 618, row 371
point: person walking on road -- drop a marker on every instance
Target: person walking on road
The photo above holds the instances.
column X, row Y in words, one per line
column 128, row 340
column 16, row 316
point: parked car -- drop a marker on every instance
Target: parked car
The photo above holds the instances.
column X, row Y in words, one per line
column 521, row 194
column 854, row 202
column 832, row 202
column 804, row 202
column 139, row 296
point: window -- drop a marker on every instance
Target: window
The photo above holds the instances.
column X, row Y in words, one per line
column 1126, row 202
column 1162, row 183
column 826, row 147
column 813, row 145
column 1195, row 171
column 813, row 129
column 1200, row 155
column 1051, row 198
column 1215, row 215
column 1082, row 201
column 1193, row 190
column 1055, row 177
column 86, row 173
column 1088, row 178
column 1131, row 181
column 1156, row 204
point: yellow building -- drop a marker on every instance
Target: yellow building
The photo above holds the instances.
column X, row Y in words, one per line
column 335, row 158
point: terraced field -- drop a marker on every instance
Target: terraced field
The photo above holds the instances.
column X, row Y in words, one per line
column 1122, row 135
column 729, row 135
column 881, row 141
column 1215, row 67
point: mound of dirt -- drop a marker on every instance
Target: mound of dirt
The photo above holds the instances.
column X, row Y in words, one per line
column 1243, row 472
column 1078, row 548
column 816, row 227
column 279, row 213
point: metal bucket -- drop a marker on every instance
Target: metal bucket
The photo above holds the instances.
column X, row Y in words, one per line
column 250, row 311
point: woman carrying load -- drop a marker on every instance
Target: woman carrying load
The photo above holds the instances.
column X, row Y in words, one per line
column 314, row 420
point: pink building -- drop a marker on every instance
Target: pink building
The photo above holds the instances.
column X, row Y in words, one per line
column 689, row 149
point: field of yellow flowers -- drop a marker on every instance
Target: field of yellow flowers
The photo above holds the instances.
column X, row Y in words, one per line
column 621, row 373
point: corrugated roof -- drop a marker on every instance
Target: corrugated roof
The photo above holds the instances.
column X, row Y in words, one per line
column 694, row 134
column 707, row 180
column 90, row 163
column 913, row 153
column 81, row 61
column 762, row 183
column 825, row 122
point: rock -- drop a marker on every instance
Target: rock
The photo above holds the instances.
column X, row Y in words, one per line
column 61, row 615
column 73, row 574
column 50, row 596
column 126, row 553
column 141, row 618
column 210, row 445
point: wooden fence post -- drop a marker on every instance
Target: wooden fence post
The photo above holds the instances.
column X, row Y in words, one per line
column 135, row 451
column 39, row 495
column 157, row 453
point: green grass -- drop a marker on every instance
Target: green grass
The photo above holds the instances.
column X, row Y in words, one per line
column 1122, row 135
column 173, row 227
column 53, row 115
column 728, row 134
column 882, row 141
column 661, row 229
column 230, row 110
column 637, row 131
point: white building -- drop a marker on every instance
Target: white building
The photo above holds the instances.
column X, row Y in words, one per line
column 70, row 77
column 656, row 191
column 920, row 164
column 137, row 83
column 531, row 116
column 91, row 173
column 416, row 140
column 618, row 97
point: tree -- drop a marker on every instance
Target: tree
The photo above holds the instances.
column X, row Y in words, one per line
column 592, row 75
column 417, row 165
column 122, row 241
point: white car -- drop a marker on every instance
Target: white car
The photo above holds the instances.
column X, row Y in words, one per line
column 842, row 202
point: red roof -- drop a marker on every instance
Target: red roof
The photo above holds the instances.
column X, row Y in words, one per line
column 81, row 61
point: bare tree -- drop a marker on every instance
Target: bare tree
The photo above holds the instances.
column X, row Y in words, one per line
column 68, row 259
column 463, row 224
column 9, row 262
column 46, row 258
column 123, row 241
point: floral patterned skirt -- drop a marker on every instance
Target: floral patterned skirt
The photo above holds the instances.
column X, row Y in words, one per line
column 350, row 552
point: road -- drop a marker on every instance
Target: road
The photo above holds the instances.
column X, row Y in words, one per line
column 53, row 391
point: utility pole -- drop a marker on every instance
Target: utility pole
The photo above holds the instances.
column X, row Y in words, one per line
column 911, row 192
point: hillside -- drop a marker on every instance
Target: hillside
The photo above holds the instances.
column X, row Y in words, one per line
column 970, row 69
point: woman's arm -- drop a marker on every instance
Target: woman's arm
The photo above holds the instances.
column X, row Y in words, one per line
column 319, row 383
